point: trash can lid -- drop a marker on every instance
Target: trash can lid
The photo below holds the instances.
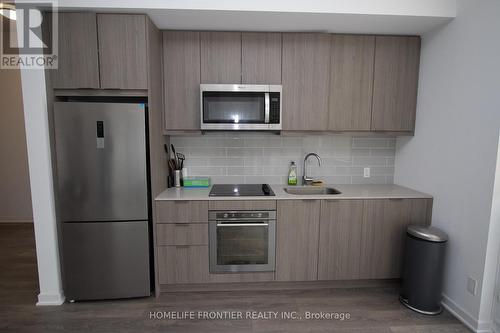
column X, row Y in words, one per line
column 431, row 234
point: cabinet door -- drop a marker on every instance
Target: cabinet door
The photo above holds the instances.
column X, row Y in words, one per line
column 261, row 58
column 122, row 51
column 340, row 239
column 220, row 57
column 181, row 79
column 182, row 234
column 351, row 82
column 183, row 264
column 305, row 79
column 420, row 211
column 382, row 238
column 297, row 240
column 395, row 83
column 78, row 60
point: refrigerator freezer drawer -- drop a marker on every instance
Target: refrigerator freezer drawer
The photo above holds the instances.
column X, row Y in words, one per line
column 106, row 260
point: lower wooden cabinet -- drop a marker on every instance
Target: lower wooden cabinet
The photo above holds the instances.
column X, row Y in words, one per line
column 383, row 234
column 297, row 234
column 182, row 234
column 183, row 264
column 182, row 211
column 420, row 211
column 315, row 240
column 382, row 238
column 340, row 239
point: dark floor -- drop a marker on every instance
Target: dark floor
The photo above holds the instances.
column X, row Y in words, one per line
column 371, row 309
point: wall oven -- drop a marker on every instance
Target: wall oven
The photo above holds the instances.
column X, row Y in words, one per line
column 242, row 241
column 240, row 107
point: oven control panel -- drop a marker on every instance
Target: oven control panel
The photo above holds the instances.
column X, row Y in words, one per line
column 242, row 215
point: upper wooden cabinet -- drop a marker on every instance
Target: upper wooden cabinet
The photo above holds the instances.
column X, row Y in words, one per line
column 220, row 57
column 101, row 51
column 261, row 58
column 305, row 79
column 181, row 80
column 78, row 64
column 331, row 82
column 395, row 83
column 122, row 51
column 297, row 235
column 351, row 82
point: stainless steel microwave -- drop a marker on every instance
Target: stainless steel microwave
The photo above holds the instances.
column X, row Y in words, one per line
column 240, row 107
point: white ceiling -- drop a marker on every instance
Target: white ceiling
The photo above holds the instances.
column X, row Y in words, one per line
column 353, row 16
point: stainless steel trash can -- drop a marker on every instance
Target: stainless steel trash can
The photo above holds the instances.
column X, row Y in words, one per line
column 423, row 266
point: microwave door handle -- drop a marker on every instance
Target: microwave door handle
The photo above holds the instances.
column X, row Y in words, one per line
column 266, row 108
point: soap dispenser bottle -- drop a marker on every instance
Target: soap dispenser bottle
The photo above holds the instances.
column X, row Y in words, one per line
column 292, row 174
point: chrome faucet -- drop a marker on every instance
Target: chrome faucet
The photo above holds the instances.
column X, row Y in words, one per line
column 306, row 180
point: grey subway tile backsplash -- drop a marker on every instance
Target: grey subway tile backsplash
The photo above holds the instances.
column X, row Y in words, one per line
column 371, row 180
column 265, row 157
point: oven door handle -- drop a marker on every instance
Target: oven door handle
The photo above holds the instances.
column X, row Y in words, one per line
column 242, row 224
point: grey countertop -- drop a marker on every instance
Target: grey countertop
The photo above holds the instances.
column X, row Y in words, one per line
column 348, row 192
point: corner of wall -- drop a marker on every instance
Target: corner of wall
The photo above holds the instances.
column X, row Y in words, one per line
column 465, row 317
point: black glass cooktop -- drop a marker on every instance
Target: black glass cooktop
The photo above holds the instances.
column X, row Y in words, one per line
column 241, row 190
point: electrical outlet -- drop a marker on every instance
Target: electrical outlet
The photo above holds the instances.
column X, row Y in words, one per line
column 471, row 285
column 366, row 172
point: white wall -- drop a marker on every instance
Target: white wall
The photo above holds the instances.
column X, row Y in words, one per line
column 453, row 153
column 15, row 197
column 493, row 254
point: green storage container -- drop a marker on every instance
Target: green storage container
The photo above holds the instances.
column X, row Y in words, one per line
column 196, row 182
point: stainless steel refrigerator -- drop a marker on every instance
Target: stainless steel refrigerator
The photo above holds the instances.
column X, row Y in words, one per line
column 102, row 199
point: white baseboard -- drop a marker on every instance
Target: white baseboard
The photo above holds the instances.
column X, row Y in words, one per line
column 50, row 299
column 6, row 219
column 496, row 326
column 465, row 317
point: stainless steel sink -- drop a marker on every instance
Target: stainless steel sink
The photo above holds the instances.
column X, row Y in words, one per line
column 311, row 190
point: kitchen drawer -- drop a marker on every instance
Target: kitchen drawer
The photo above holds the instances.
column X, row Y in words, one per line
column 182, row 234
column 242, row 205
column 183, row 264
column 182, row 211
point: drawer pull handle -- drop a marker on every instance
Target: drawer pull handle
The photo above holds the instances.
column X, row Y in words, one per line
column 181, row 224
